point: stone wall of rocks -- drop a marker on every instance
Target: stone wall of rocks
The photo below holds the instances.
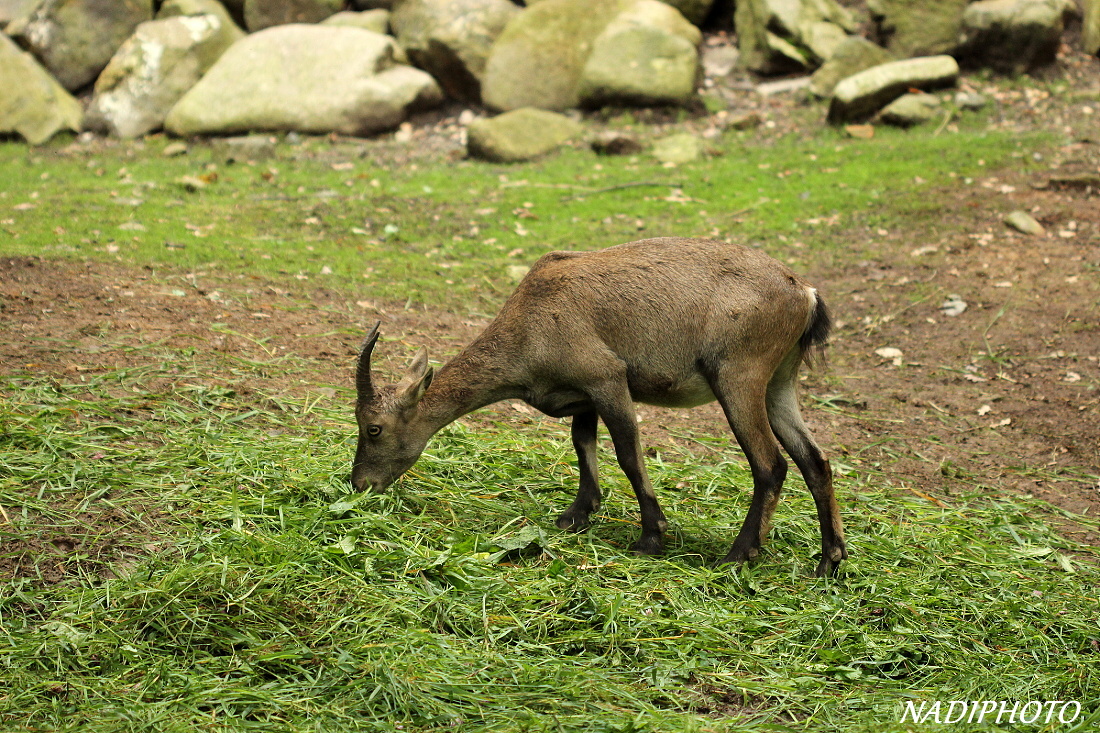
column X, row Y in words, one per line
column 358, row 67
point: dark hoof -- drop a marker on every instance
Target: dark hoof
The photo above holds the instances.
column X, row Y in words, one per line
column 572, row 521
column 739, row 555
column 653, row 545
column 830, row 561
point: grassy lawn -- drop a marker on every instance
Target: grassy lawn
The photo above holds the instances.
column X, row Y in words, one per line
column 253, row 592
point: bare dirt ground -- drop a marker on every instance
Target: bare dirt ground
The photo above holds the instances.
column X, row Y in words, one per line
column 1004, row 396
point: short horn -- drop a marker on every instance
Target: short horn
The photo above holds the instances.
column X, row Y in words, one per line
column 363, row 386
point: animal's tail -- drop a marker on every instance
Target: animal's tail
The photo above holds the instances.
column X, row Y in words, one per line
column 815, row 338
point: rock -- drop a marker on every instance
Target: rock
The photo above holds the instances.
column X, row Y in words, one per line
column 924, row 28
column 154, row 68
column 678, row 148
column 851, row 57
column 1024, row 223
column 377, row 20
column 614, row 142
column 32, row 103
column 970, row 101
column 260, row 14
column 780, row 36
column 720, row 61
column 865, row 93
column 176, row 8
column 74, row 39
column 451, row 39
column 308, row 78
column 553, row 48
column 911, row 109
column 1013, row 36
column 648, row 55
column 519, row 135
column 372, row 4
column 12, row 9
column 783, row 86
column 1090, row 29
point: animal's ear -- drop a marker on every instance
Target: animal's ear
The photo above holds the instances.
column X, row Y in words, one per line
column 364, row 389
column 416, row 380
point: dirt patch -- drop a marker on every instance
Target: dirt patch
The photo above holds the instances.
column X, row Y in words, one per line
column 1002, row 396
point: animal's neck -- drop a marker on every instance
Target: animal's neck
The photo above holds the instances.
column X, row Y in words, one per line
column 477, row 376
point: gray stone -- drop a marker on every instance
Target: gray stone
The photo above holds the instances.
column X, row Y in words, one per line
column 913, row 109
column 779, row 36
column 923, row 28
column 970, row 101
column 518, row 135
column 1013, row 36
column 679, row 148
column 32, row 104
column 177, row 8
column 13, row 9
column 1024, row 223
column 377, row 20
column 719, row 61
column 74, row 39
column 305, row 78
column 865, row 93
column 1090, row 29
column 542, row 57
column 615, row 142
column 154, row 68
column 851, row 57
column 260, row 14
column 451, row 39
column 646, row 56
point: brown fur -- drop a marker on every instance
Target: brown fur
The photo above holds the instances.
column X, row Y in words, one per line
column 673, row 322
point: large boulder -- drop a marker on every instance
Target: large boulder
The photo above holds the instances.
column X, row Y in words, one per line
column 32, row 103
column 176, row 8
column 260, row 14
column 1013, row 36
column 451, row 39
column 305, row 78
column 852, row 56
column 377, row 20
column 777, row 36
column 1090, row 31
column 922, row 28
column 74, row 39
column 863, row 94
column 519, row 135
column 559, row 54
column 154, row 68
column 12, row 9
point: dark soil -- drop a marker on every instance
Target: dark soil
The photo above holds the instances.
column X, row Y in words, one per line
column 1003, row 397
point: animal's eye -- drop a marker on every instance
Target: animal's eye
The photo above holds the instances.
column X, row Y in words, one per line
column 374, row 430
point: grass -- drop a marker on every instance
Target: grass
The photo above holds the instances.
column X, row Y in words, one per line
column 242, row 588
column 447, row 232
column 178, row 556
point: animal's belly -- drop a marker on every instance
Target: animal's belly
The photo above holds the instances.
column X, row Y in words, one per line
column 690, row 392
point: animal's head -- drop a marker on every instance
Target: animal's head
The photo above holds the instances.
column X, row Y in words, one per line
column 391, row 435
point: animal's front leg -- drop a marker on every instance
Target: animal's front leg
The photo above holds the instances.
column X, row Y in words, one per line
column 617, row 412
column 577, row 516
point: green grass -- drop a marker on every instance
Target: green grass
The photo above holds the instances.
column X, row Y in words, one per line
column 447, row 232
column 243, row 589
column 182, row 557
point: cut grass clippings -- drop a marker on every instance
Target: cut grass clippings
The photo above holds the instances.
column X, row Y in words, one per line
column 243, row 588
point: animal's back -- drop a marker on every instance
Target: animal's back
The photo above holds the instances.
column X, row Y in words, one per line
column 670, row 310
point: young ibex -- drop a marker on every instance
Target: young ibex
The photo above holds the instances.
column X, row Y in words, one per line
column 672, row 322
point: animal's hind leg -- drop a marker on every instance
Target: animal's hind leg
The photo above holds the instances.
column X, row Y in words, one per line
column 576, row 517
column 787, row 423
column 746, row 412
